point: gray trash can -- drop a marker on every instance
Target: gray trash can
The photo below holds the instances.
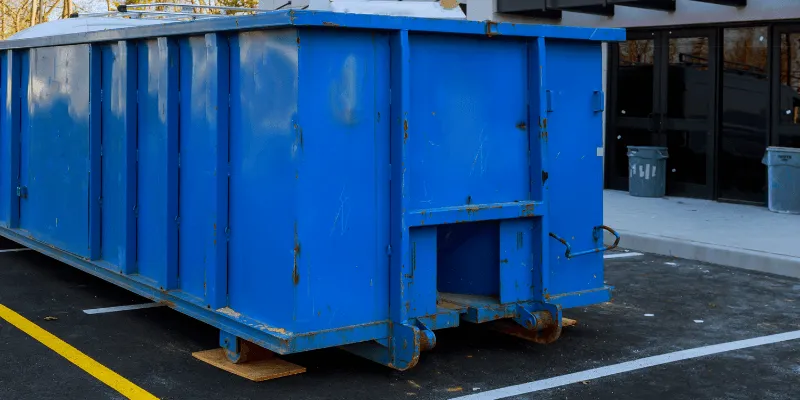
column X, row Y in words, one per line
column 784, row 179
column 647, row 171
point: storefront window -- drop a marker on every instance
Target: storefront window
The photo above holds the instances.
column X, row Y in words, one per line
column 745, row 113
column 636, row 74
column 789, row 110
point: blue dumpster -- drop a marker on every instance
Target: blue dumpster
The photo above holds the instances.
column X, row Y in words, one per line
column 303, row 180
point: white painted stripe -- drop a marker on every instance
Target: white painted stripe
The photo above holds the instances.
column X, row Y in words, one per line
column 634, row 365
column 622, row 255
column 14, row 250
column 122, row 308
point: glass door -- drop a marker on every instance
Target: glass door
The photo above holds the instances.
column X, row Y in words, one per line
column 686, row 117
column 664, row 95
column 786, row 90
column 744, row 116
column 633, row 104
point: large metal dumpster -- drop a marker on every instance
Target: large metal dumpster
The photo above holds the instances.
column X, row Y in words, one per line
column 303, row 180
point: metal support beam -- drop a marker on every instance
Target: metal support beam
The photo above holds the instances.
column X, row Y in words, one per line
column 663, row 5
column 732, row 3
column 552, row 9
column 528, row 8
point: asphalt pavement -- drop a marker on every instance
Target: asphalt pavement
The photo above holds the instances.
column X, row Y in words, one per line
column 662, row 305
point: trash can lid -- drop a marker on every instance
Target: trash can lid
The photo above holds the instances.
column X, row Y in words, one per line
column 647, row 148
column 784, row 149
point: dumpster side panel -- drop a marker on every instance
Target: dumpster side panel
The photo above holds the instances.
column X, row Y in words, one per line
column 265, row 240
column 118, row 132
column 575, row 186
column 468, row 144
column 10, row 130
column 6, row 82
column 158, row 165
column 55, row 142
column 469, row 112
column 24, row 123
column 342, row 180
column 113, row 131
column 198, row 163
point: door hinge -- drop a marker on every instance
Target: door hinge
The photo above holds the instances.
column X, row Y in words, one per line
column 389, row 250
column 22, row 192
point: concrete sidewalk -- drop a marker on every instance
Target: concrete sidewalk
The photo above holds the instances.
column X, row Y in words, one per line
column 727, row 234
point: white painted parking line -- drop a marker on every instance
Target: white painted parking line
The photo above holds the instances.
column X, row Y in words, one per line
column 642, row 363
column 122, row 308
column 622, row 255
column 14, row 250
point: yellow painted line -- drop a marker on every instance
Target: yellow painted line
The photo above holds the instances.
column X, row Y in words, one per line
column 86, row 363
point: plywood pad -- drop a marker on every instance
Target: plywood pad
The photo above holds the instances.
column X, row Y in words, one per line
column 256, row 371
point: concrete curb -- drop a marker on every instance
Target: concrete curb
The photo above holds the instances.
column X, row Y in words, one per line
column 711, row 253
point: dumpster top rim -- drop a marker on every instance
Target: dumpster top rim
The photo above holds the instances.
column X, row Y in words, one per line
column 304, row 18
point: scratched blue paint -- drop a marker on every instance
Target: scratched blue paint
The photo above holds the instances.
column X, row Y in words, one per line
column 24, row 123
column 264, row 151
column 477, row 165
column 113, row 138
column 342, row 217
column 198, row 155
column 517, row 259
column 151, row 200
column 6, row 126
column 118, row 160
column 575, row 209
column 56, row 141
column 306, row 186
column 157, row 216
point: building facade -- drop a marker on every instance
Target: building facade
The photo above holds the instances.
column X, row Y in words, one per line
column 715, row 81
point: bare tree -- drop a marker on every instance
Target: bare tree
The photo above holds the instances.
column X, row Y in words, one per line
column 35, row 13
column 16, row 15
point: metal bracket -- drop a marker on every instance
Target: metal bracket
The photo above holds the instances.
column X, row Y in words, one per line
column 427, row 337
column 402, row 349
column 541, row 324
column 22, row 192
column 598, row 101
column 596, row 235
column 240, row 351
column 247, row 360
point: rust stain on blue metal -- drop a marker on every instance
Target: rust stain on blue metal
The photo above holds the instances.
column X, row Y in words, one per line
column 295, row 269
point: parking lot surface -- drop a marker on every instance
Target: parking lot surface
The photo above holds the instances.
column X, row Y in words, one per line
column 661, row 305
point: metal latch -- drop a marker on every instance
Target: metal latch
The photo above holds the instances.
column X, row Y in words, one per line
column 22, row 192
